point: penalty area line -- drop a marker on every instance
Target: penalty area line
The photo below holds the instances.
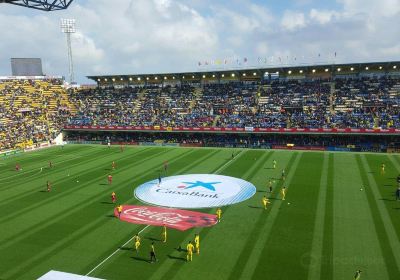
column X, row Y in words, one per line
column 113, row 253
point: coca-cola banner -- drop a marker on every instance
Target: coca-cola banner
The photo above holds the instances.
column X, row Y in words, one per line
column 170, row 217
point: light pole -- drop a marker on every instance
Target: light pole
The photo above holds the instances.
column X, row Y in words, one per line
column 68, row 27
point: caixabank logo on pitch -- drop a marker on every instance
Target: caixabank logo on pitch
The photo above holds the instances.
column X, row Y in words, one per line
column 195, row 191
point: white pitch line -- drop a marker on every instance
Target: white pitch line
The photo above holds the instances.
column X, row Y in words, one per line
column 229, row 162
column 116, row 251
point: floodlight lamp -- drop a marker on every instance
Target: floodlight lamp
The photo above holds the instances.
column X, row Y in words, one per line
column 68, row 25
column 314, row 70
column 301, row 71
column 254, row 74
column 351, row 69
column 367, row 68
column 394, row 66
column 326, row 70
column 289, row 72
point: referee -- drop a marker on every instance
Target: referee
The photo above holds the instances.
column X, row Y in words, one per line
column 153, row 257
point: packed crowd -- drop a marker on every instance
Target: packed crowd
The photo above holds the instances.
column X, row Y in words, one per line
column 341, row 103
column 35, row 111
column 31, row 112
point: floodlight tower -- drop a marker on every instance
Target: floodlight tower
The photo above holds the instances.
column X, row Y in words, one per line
column 68, row 27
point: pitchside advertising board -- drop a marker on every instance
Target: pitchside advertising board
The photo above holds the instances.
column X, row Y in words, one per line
column 193, row 191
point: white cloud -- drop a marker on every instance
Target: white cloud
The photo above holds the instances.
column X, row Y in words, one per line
column 386, row 8
column 323, row 16
column 293, row 20
column 150, row 36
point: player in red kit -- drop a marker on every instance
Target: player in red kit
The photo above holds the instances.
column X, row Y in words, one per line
column 17, row 167
column 113, row 197
column 109, row 179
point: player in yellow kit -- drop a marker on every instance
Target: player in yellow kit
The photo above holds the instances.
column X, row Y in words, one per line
column 164, row 233
column 189, row 249
column 119, row 210
column 274, row 164
column 283, row 192
column 265, row 202
column 197, row 243
column 219, row 213
column 136, row 239
column 382, row 169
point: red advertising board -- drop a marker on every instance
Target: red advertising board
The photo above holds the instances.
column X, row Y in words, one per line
column 237, row 130
column 170, row 217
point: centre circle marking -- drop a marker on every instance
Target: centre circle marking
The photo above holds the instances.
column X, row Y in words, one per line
column 195, row 191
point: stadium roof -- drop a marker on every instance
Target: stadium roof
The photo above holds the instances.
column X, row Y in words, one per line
column 300, row 71
column 43, row 5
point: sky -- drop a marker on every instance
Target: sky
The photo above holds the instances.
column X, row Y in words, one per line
column 165, row 36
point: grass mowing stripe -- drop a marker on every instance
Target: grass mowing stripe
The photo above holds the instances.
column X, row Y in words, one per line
column 252, row 233
column 10, row 237
column 28, row 159
column 316, row 254
column 384, row 214
column 116, row 251
column 90, row 225
column 69, row 170
column 187, row 167
column 326, row 261
column 355, row 245
column 26, row 201
column 257, row 162
column 249, row 258
column 288, row 226
column 387, row 253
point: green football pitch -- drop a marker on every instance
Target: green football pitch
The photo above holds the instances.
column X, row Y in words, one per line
column 340, row 215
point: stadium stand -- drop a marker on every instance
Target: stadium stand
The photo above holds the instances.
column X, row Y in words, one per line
column 341, row 103
column 35, row 111
column 32, row 111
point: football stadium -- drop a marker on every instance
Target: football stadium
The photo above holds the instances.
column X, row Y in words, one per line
column 242, row 167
